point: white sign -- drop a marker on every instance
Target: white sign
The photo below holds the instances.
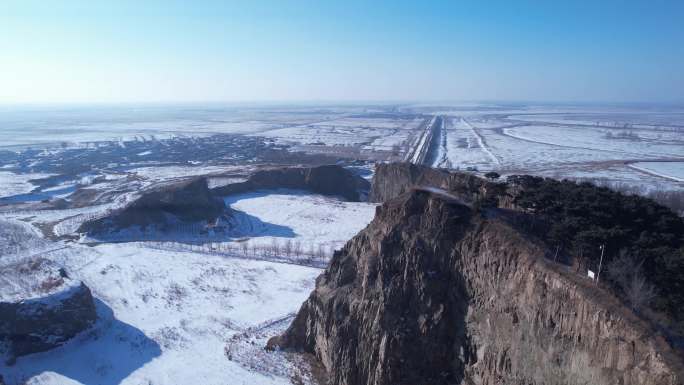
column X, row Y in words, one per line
column 590, row 274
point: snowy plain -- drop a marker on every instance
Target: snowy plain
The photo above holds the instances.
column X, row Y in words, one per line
column 194, row 315
column 169, row 316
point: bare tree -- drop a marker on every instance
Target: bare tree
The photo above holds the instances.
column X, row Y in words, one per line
column 639, row 292
column 297, row 248
column 287, row 248
column 275, row 247
column 244, row 246
column 255, row 250
column 627, row 273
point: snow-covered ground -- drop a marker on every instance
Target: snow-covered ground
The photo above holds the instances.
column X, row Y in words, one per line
column 16, row 184
column 670, row 170
column 198, row 309
column 643, row 155
column 311, row 219
column 644, row 142
column 157, row 173
column 166, row 318
column 192, row 317
column 369, row 134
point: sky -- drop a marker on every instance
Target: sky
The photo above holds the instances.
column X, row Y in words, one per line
column 229, row 51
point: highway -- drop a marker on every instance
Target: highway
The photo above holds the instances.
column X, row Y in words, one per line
column 420, row 153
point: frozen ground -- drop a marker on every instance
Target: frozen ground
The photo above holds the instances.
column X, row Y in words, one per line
column 643, row 149
column 670, row 170
column 197, row 309
column 174, row 316
column 361, row 134
column 15, row 184
column 313, row 220
column 166, row 318
column 24, row 126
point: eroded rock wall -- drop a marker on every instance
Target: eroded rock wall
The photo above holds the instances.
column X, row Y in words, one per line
column 186, row 201
column 42, row 323
column 431, row 293
column 327, row 180
column 393, row 179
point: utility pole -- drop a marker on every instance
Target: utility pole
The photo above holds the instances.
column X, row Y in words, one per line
column 603, row 248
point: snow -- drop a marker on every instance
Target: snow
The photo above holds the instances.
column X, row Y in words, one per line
column 670, row 170
column 168, row 316
column 371, row 133
column 308, row 218
column 463, row 147
column 33, row 279
column 172, row 172
column 597, row 139
column 15, row 184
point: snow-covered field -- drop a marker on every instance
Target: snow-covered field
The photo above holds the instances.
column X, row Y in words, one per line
column 643, row 143
column 368, row 133
column 313, row 220
column 166, row 318
column 578, row 145
column 670, row 170
column 192, row 317
column 196, row 308
column 16, row 184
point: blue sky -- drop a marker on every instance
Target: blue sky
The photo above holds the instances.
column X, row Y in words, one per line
column 178, row 51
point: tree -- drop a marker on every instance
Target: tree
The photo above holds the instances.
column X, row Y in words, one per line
column 492, row 175
column 275, row 247
column 628, row 275
column 287, row 248
column 297, row 248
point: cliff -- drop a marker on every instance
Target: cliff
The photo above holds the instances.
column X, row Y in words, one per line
column 394, row 179
column 186, row 201
column 433, row 293
column 326, row 180
column 41, row 307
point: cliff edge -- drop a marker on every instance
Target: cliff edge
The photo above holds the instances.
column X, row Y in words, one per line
column 432, row 292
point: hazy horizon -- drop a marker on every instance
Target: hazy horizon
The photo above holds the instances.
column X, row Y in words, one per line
column 296, row 51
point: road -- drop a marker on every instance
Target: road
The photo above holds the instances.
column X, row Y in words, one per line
column 420, row 153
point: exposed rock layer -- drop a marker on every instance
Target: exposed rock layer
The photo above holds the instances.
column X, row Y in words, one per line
column 394, row 179
column 42, row 323
column 327, row 180
column 431, row 293
column 187, row 201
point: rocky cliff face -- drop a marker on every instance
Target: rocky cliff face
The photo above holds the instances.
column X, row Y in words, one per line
column 326, row 180
column 41, row 308
column 188, row 201
column 432, row 293
column 394, row 179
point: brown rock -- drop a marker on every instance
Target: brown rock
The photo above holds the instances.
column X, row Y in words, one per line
column 187, row 201
column 42, row 323
column 327, row 180
column 432, row 293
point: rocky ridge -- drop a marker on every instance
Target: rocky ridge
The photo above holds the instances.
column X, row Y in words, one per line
column 41, row 308
column 185, row 201
column 431, row 292
column 331, row 180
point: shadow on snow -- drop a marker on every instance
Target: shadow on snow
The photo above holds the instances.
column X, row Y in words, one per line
column 105, row 355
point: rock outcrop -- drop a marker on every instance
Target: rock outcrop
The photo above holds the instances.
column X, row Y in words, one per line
column 41, row 307
column 393, row 179
column 326, row 180
column 433, row 293
column 187, row 201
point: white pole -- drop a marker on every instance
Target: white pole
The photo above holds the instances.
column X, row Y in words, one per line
column 603, row 247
